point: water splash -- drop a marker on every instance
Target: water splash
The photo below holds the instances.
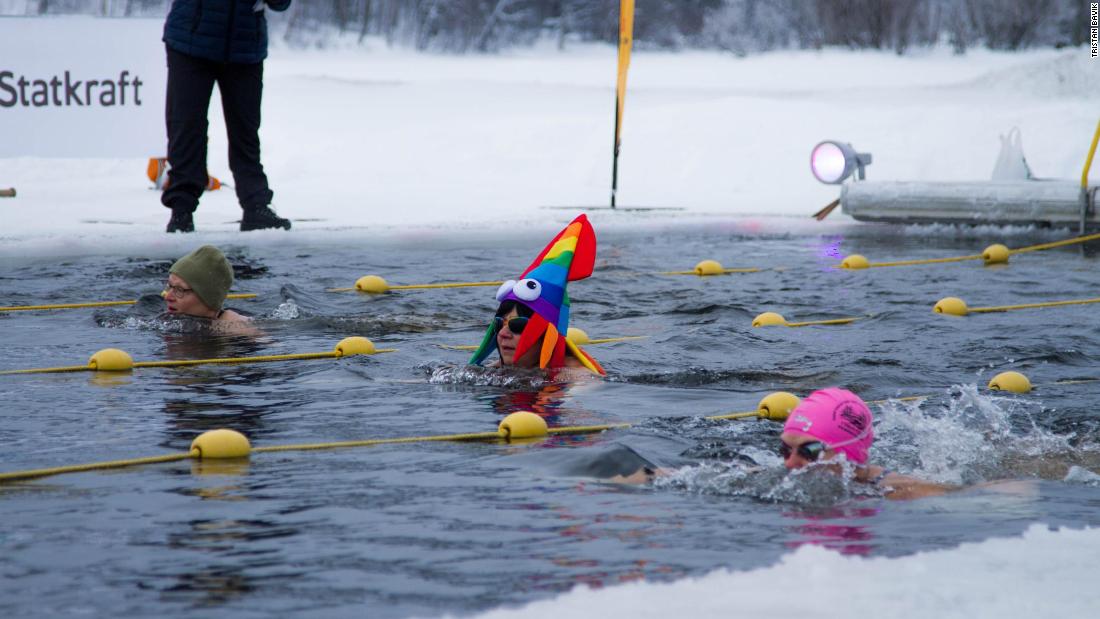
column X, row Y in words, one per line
column 474, row 375
column 287, row 310
column 1078, row 475
column 812, row 486
column 970, row 438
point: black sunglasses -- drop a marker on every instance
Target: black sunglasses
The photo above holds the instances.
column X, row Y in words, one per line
column 515, row 325
column 808, row 451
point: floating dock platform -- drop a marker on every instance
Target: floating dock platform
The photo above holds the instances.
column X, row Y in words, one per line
column 1043, row 203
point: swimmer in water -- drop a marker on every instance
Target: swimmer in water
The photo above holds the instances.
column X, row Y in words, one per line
column 835, row 422
column 530, row 324
column 831, row 424
column 197, row 286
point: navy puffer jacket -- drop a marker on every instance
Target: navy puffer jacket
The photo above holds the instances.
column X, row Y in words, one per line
column 220, row 30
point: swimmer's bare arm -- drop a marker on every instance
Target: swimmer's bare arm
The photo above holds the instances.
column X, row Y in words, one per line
column 904, row 488
column 643, row 475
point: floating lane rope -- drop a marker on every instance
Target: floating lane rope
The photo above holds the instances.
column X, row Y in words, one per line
column 115, row 360
column 522, row 425
column 575, row 335
column 954, row 306
column 1016, row 382
column 772, row 319
column 708, row 268
column 994, row 254
column 374, row 284
column 24, row 308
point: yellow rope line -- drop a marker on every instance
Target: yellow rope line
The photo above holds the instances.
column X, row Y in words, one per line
column 724, row 272
column 1079, row 239
column 1077, row 382
column 23, row 308
column 190, row 362
column 57, row 370
column 902, row 263
column 1005, row 308
column 257, row 359
column 451, row 285
column 587, row 429
column 612, row 340
column 476, row 436
column 77, row 468
column 422, row 286
column 1021, row 250
column 735, row 415
column 834, row 321
column 606, row 340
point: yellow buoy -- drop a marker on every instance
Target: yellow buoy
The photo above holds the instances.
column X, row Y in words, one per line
column 777, row 406
column 952, row 306
column 577, row 336
column 355, row 345
column 111, row 360
column 709, row 267
column 522, row 424
column 855, row 261
column 1010, row 381
column 769, row 319
column 372, row 284
column 221, row 444
column 995, row 254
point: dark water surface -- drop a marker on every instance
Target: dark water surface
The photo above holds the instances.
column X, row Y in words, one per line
column 423, row 529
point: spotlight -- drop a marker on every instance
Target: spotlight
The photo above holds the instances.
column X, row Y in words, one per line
column 832, row 162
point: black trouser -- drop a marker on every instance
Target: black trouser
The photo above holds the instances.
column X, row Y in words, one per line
column 190, row 84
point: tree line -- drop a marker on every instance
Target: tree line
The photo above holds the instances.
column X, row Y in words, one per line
column 738, row 26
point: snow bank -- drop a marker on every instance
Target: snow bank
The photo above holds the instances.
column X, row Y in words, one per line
column 1044, row 573
column 375, row 141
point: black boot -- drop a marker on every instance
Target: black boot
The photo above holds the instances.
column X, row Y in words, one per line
column 181, row 221
column 262, row 218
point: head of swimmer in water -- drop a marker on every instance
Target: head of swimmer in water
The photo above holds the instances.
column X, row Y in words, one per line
column 198, row 283
column 827, row 424
column 509, row 322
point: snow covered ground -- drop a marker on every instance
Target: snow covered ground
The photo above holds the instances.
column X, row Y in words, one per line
column 374, row 140
column 1041, row 574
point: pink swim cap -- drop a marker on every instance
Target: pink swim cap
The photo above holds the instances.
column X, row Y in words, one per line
column 836, row 417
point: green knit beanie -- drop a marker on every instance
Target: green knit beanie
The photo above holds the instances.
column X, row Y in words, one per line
column 208, row 273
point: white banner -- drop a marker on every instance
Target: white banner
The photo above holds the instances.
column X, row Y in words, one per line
column 82, row 87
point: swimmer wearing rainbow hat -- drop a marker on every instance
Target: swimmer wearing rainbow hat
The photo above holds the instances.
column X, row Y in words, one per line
column 530, row 325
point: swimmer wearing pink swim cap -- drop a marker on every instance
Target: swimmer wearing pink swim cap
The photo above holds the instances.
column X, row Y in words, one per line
column 838, row 419
column 835, row 422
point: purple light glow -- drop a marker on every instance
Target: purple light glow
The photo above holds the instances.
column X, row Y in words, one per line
column 827, row 162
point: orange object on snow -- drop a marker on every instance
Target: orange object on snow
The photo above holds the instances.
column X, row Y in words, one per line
column 157, row 171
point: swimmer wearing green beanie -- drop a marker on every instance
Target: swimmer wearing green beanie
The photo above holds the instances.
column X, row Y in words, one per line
column 198, row 284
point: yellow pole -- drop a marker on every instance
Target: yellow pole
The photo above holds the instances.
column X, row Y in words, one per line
column 626, row 42
column 1088, row 160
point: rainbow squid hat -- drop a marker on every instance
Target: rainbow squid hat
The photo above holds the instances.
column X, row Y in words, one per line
column 569, row 256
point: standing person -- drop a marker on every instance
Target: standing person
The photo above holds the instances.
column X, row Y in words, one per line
column 223, row 42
